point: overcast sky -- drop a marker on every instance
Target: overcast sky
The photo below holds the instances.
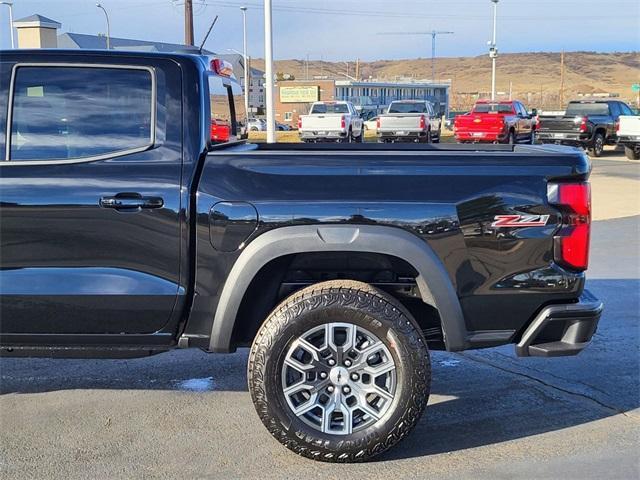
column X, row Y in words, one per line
column 346, row 29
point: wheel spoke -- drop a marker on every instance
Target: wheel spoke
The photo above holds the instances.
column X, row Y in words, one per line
column 380, row 369
column 306, row 406
column 299, row 366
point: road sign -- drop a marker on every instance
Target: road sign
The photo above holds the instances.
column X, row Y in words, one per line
column 635, row 87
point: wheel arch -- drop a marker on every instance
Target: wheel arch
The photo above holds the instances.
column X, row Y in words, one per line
column 433, row 281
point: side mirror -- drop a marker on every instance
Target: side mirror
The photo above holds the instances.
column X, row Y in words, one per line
column 534, row 112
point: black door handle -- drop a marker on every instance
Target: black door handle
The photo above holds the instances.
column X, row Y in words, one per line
column 131, row 202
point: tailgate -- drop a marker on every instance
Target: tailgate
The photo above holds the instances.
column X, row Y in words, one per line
column 558, row 124
column 400, row 122
column 477, row 122
column 324, row 122
column 629, row 125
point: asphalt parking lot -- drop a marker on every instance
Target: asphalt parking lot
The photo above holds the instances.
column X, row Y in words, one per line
column 186, row 414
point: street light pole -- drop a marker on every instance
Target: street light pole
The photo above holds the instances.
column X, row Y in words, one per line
column 493, row 51
column 108, row 27
column 10, row 5
column 268, row 66
column 246, row 63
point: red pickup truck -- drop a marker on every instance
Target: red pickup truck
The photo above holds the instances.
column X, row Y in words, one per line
column 495, row 122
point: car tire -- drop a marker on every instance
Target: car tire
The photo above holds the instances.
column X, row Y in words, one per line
column 597, row 147
column 436, row 139
column 254, row 129
column 631, row 153
column 360, row 138
column 379, row 328
column 511, row 139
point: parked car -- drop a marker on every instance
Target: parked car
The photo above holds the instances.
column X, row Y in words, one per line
column 409, row 120
column 257, row 125
column 495, row 122
column 333, row 264
column 282, row 127
column 590, row 124
column 629, row 135
column 331, row 121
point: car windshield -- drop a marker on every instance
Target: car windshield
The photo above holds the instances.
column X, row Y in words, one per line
column 582, row 109
column 417, row 107
column 493, row 108
column 330, row 108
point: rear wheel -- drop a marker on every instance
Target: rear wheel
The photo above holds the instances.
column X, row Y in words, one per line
column 339, row 372
column 511, row 140
column 436, row 139
column 360, row 138
column 597, row 147
column 632, row 153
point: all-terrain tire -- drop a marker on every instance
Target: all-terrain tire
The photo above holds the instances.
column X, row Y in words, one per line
column 631, row 153
column 368, row 308
column 597, row 147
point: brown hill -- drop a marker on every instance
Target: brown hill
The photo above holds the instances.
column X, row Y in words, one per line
column 535, row 77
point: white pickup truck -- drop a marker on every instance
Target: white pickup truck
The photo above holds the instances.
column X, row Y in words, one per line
column 331, row 122
column 629, row 135
column 409, row 120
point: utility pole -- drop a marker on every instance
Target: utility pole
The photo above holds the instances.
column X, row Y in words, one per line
column 493, row 51
column 188, row 22
column 357, row 69
column 268, row 66
column 10, row 5
column 108, row 27
column 561, row 95
column 434, row 34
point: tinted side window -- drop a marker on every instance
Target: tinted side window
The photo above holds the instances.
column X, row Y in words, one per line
column 62, row 113
column 239, row 112
column 220, row 100
column 625, row 109
column 614, row 107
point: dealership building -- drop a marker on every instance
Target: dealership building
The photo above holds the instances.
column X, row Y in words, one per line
column 294, row 98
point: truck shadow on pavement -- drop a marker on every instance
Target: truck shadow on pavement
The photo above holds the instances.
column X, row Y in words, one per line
column 478, row 398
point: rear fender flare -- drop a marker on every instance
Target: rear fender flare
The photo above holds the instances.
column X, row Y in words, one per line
column 433, row 281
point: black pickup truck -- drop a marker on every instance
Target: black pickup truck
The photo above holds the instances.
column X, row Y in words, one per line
column 590, row 124
column 127, row 231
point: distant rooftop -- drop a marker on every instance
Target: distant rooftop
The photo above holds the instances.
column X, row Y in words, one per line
column 97, row 42
column 36, row 21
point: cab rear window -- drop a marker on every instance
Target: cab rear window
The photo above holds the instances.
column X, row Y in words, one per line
column 63, row 113
column 228, row 116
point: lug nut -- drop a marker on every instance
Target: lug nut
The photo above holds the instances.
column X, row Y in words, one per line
column 355, row 377
column 346, row 390
column 330, row 389
column 323, row 374
column 331, row 362
column 347, row 362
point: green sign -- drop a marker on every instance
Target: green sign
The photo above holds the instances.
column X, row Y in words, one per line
column 635, row 87
column 299, row 94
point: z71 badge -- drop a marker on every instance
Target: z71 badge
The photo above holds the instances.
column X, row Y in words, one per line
column 507, row 221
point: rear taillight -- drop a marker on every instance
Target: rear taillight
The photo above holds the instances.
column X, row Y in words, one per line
column 617, row 126
column 423, row 123
column 343, row 123
column 583, row 124
column 572, row 240
column 378, row 123
column 299, row 123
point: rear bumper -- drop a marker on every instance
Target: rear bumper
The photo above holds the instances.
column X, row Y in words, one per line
column 480, row 136
column 629, row 139
column 562, row 330
column 406, row 135
column 332, row 135
column 564, row 138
